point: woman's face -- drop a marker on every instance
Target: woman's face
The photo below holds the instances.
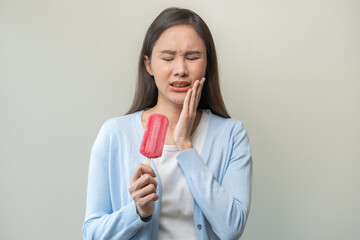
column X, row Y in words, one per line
column 178, row 60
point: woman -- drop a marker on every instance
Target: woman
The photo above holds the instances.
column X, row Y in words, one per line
column 200, row 187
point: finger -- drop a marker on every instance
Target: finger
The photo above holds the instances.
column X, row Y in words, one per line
column 149, row 189
column 151, row 197
column 145, row 203
column 141, row 183
column 140, row 170
column 193, row 96
column 148, row 199
column 186, row 101
column 145, row 180
column 136, row 175
column 198, row 96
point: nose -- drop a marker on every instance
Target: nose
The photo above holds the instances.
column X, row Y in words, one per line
column 180, row 68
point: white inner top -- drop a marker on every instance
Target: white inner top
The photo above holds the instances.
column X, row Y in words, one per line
column 176, row 213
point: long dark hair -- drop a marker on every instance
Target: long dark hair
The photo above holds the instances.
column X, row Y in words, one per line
column 146, row 92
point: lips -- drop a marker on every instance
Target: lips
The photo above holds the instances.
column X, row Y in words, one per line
column 180, row 86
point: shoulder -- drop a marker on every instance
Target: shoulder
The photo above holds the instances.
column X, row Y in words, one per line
column 226, row 130
column 220, row 123
column 121, row 121
column 118, row 131
column 121, row 125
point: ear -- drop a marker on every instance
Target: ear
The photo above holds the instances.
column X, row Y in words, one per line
column 148, row 65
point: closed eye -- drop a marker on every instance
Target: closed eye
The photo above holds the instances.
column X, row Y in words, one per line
column 192, row 58
column 167, row 59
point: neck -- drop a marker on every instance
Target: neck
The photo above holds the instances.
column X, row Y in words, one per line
column 172, row 113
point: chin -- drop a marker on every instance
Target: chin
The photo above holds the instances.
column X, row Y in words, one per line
column 179, row 100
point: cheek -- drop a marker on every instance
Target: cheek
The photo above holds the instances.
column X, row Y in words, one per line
column 161, row 69
column 199, row 69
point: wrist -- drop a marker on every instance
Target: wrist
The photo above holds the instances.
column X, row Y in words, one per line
column 142, row 214
column 184, row 146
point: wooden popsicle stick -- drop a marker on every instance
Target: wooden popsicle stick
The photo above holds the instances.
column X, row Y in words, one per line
column 148, row 161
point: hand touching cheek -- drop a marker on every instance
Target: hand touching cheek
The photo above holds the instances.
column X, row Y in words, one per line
column 186, row 121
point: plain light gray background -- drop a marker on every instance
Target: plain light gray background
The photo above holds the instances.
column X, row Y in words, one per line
column 290, row 71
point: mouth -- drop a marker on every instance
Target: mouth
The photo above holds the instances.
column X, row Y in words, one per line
column 180, row 86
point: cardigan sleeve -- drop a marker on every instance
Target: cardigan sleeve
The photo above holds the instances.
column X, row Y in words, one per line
column 100, row 220
column 226, row 205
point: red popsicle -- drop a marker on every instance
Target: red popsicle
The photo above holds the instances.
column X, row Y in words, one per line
column 154, row 136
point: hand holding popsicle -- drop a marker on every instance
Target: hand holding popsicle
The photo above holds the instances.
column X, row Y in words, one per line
column 143, row 190
column 185, row 124
column 142, row 183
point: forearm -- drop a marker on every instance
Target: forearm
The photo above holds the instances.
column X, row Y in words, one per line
column 225, row 206
column 101, row 220
column 122, row 224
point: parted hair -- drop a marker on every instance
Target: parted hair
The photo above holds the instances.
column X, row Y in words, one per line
column 146, row 92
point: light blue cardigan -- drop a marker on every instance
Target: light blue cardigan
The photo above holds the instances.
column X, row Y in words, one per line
column 219, row 179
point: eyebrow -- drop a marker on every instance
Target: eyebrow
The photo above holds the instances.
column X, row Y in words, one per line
column 174, row 52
